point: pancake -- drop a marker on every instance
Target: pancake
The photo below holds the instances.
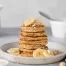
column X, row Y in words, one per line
column 26, row 50
column 32, row 28
column 37, row 34
column 24, row 46
column 41, row 42
column 26, row 54
column 33, row 38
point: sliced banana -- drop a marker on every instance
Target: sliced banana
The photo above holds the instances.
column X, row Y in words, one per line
column 14, row 51
column 29, row 22
column 38, row 53
column 48, row 53
column 38, row 21
column 62, row 64
column 33, row 21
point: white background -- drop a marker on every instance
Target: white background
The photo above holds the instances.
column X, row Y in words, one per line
column 16, row 11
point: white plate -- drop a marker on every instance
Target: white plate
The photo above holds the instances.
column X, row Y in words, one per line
column 31, row 60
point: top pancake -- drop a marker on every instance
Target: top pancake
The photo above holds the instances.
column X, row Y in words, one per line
column 33, row 25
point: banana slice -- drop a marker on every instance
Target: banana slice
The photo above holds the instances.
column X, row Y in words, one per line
column 48, row 53
column 62, row 64
column 14, row 51
column 33, row 21
column 29, row 22
column 38, row 21
column 38, row 53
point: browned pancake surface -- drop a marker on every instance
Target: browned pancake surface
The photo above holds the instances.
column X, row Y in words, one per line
column 41, row 42
column 33, row 34
column 24, row 46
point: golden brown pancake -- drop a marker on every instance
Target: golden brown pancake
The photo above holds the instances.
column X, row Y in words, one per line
column 33, row 34
column 26, row 54
column 24, row 46
column 33, row 38
column 41, row 42
column 27, row 50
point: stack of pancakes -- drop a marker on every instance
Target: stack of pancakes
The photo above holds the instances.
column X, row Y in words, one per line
column 32, row 37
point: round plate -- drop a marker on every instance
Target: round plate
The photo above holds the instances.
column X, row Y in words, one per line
column 31, row 60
